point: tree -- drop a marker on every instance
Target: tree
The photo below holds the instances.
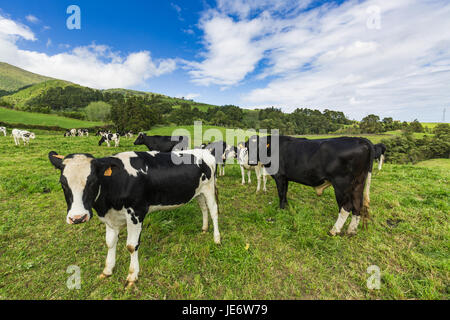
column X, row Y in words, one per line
column 98, row 111
column 133, row 114
column 371, row 124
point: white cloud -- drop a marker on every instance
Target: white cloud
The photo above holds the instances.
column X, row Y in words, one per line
column 327, row 57
column 94, row 65
column 191, row 96
column 32, row 19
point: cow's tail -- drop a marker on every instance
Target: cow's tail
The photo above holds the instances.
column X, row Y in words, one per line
column 366, row 194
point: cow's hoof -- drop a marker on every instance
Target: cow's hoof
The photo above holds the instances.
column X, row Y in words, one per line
column 332, row 233
column 204, row 231
column 217, row 240
column 351, row 233
column 130, row 285
column 103, row 276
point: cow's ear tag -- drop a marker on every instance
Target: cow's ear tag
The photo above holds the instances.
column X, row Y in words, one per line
column 58, row 156
column 108, row 172
column 241, row 145
column 268, row 145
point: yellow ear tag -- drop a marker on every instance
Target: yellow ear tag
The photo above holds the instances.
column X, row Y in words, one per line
column 108, row 172
column 268, row 145
column 58, row 156
column 241, row 145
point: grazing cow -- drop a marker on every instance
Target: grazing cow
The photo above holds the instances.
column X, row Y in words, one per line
column 221, row 152
column 3, row 129
column 162, row 143
column 344, row 163
column 125, row 187
column 67, row 133
column 380, row 149
column 22, row 134
column 73, row 132
column 85, row 132
column 242, row 157
column 108, row 137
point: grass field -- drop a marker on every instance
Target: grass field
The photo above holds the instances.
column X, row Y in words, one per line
column 289, row 255
column 30, row 118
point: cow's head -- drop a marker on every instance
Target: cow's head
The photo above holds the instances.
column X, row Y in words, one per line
column 140, row 139
column 80, row 181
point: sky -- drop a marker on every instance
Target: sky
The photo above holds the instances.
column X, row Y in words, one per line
column 390, row 58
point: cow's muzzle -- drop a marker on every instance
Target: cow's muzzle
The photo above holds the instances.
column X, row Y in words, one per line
column 78, row 219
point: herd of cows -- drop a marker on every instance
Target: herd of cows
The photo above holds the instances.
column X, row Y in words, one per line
column 125, row 187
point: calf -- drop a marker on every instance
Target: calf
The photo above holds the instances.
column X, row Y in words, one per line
column 125, row 187
column 3, row 129
column 344, row 163
column 162, row 143
column 380, row 149
column 22, row 134
column 221, row 152
column 108, row 137
column 242, row 157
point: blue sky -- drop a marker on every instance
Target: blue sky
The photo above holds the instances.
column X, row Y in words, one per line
column 360, row 57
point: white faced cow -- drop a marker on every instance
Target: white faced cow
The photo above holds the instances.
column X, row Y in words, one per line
column 22, row 134
column 125, row 187
column 3, row 129
column 259, row 168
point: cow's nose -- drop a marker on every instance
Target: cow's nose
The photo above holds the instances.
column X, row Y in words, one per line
column 78, row 219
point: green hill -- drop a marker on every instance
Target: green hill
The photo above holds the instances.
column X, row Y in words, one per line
column 30, row 118
column 13, row 78
column 20, row 98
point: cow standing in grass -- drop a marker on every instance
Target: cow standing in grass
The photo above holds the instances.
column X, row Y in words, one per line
column 108, row 137
column 344, row 163
column 3, row 130
column 260, row 171
column 125, row 187
column 22, row 134
column 162, row 143
column 221, row 152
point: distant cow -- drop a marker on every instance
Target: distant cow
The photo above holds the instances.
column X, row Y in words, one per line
column 67, row 133
column 22, row 134
column 221, row 152
column 345, row 163
column 380, row 149
column 3, row 129
column 108, row 137
column 242, row 157
column 162, row 143
column 73, row 132
column 125, row 187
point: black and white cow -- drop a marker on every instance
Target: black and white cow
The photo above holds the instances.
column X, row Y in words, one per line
column 125, row 187
column 221, row 152
column 3, row 129
column 67, row 133
column 108, row 137
column 22, row 134
column 380, row 149
column 162, row 143
column 344, row 163
column 73, row 132
column 260, row 171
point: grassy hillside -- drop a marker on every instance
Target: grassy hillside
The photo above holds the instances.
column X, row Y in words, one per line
column 13, row 78
column 20, row 98
column 266, row 253
column 13, row 116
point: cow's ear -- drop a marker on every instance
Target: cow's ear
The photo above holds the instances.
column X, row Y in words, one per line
column 105, row 167
column 56, row 159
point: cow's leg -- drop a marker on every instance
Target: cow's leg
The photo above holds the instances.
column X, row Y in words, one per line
column 223, row 169
column 249, row 173
column 211, row 201
column 357, row 199
column 343, row 194
column 243, row 174
column 264, row 180
column 380, row 162
column 112, row 235
column 134, row 228
column 204, row 207
column 258, row 178
column 282, row 187
column 107, row 143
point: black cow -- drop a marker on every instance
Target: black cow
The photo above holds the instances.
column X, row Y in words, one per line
column 125, row 187
column 344, row 163
column 162, row 143
column 380, row 149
